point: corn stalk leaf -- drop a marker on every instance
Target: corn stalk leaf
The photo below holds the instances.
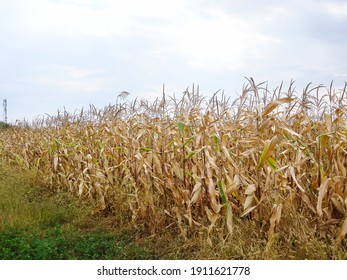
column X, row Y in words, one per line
column 195, row 193
column 228, row 208
column 216, row 142
column 222, row 193
column 248, row 210
column 229, row 219
column 181, row 127
column 274, row 219
column 338, row 203
column 192, row 153
column 268, row 148
column 249, row 201
column 273, row 105
column 342, row 232
column 292, row 173
column 213, row 196
column 323, row 189
column 272, row 163
column 189, row 140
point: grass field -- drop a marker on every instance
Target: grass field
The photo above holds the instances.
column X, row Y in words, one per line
column 261, row 177
column 36, row 224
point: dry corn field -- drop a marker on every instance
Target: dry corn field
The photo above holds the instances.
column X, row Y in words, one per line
column 194, row 164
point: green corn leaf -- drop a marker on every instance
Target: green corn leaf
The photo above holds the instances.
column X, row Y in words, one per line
column 181, row 127
column 272, row 163
column 189, row 140
column 216, row 142
column 222, row 193
column 192, row 153
column 268, row 148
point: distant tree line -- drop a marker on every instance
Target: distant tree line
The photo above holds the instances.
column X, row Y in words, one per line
column 4, row 125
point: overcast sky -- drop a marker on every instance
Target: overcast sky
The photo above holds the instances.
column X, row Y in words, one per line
column 56, row 53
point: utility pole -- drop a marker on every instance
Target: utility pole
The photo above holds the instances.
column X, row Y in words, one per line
column 5, row 110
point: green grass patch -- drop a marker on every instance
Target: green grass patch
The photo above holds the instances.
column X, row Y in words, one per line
column 57, row 244
column 36, row 224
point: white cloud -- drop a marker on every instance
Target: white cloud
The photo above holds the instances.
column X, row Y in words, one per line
column 67, row 77
column 40, row 16
column 69, row 84
column 218, row 41
column 103, row 18
column 80, row 85
column 78, row 73
column 202, row 36
column 336, row 9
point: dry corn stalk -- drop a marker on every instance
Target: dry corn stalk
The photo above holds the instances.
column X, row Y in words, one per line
column 196, row 164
